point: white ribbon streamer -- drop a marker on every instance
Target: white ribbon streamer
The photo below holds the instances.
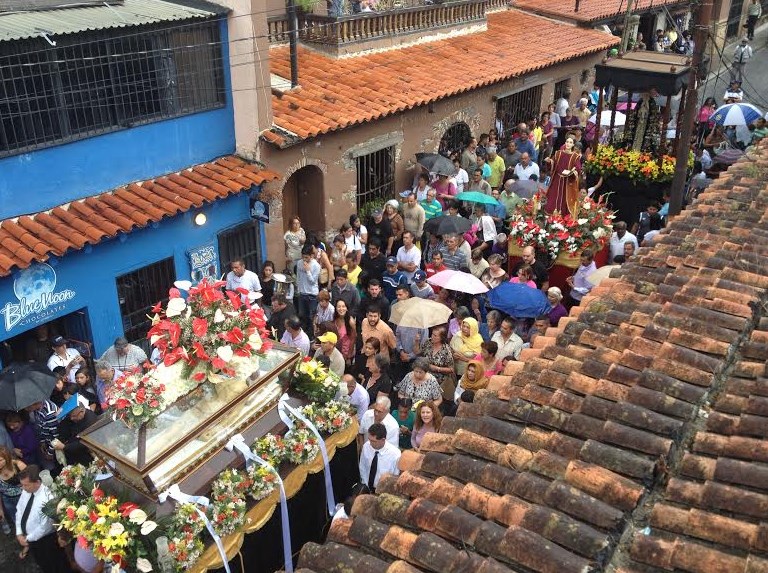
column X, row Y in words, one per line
column 238, row 442
column 283, row 405
column 174, row 492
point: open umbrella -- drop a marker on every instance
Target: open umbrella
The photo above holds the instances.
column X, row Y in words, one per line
column 458, row 281
column 605, row 118
column 25, row 384
column 602, row 273
column 736, row 114
column 448, row 225
column 728, row 157
column 477, row 197
column 518, row 300
column 435, row 163
column 419, row 313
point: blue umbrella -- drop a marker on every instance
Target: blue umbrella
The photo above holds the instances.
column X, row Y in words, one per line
column 736, row 114
column 518, row 300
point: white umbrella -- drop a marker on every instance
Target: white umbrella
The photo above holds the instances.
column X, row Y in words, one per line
column 605, row 118
column 419, row 313
column 596, row 277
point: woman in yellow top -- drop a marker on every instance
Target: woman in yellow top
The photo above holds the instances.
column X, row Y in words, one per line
column 465, row 344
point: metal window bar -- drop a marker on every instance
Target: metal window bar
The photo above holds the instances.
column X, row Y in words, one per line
column 138, row 292
column 95, row 82
column 562, row 88
column 734, row 18
column 455, row 140
column 375, row 176
column 518, row 108
column 242, row 242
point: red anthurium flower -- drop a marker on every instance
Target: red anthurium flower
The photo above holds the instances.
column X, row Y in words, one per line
column 127, row 508
column 244, row 352
column 235, row 299
column 199, row 326
column 198, row 376
column 98, row 495
column 199, row 351
column 174, row 331
column 157, row 308
column 218, row 363
column 235, row 336
column 174, row 293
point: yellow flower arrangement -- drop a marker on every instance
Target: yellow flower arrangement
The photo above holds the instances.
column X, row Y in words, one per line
column 635, row 165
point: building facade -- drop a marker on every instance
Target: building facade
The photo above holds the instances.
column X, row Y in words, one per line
column 116, row 170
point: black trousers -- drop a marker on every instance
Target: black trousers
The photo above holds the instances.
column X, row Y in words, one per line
column 48, row 555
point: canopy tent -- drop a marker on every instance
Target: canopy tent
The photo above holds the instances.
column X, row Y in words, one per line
column 640, row 71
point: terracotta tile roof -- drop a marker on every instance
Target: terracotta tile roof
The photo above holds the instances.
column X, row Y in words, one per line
column 339, row 93
column 72, row 226
column 590, row 10
column 634, row 439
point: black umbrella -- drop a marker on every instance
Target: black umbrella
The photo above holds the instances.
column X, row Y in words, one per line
column 435, row 163
column 447, row 225
column 25, row 384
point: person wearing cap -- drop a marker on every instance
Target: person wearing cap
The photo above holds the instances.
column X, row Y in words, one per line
column 328, row 348
column 124, row 356
column 67, row 358
column 240, row 277
column 420, row 287
column 741, row 55
column 74, row 418
column 380, row 228
column 343, row 289
column 294, row 336
column 392, row 278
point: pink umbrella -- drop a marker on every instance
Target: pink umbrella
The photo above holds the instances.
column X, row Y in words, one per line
column 458, row 281
column 623, row 106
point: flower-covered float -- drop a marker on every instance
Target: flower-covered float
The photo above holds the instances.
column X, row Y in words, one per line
column 192, row 453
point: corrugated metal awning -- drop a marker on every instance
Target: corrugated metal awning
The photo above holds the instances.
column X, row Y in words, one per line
column 71, row 20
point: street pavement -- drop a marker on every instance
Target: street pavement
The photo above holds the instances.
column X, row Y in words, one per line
column 755, row 86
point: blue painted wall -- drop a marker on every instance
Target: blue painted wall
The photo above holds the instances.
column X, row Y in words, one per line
column 43, row 179
column 89, row 275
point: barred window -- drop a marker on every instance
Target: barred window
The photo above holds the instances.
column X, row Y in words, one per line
column 519, row 108
column 375, row 176
column 92, row 83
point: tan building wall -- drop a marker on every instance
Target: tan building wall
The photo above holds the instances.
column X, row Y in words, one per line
column 325, row 199
column 249, row 64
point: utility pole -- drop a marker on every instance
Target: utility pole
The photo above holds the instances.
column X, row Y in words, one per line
column 625, row 33
column 293, row 33
column 701, row 22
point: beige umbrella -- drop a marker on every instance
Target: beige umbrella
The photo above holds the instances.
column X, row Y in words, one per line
column 419, row 313
column 601, row 273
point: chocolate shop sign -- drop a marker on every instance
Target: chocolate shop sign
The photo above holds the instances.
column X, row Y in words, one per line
column 38, row 299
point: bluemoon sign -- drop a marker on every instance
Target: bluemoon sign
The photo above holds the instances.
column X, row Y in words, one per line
column 38, row 299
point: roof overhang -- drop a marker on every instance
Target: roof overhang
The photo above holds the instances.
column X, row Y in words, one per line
column 33, row 23
column 642, row 70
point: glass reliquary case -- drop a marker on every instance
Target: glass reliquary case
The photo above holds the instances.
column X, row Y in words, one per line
column 184, row 444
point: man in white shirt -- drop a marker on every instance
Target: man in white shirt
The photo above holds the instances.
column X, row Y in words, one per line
column 124, row 356
column 294, row 336
column 619, row 237
column 34, row 530
column 408, row 256
column 741, row 55
column 526, row 168
column 328, row 347
column 510, row 344
column 379, row 414
column 357, row 395
column 378, row 457
column 240, row 277
column 67, row 358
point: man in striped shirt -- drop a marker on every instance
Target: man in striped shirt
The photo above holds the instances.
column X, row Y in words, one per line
column 453, row 257
column 42, row 416
column 431, row 206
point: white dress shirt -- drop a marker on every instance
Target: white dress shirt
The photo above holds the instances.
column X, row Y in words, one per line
column 38, row 524
column 360, row 400
column 249, row 281
column 617, row 244
column 133, row 358
column 393, row 428
column 389, row 456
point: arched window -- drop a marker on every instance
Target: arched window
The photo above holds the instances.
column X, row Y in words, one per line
column 455, row 139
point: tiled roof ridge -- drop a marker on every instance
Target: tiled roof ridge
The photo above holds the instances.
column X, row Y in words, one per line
column 633, row 438
column 337, row 94
column 74, row 225
column 590, row 11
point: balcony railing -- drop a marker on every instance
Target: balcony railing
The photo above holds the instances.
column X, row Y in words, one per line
column 366, row 26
